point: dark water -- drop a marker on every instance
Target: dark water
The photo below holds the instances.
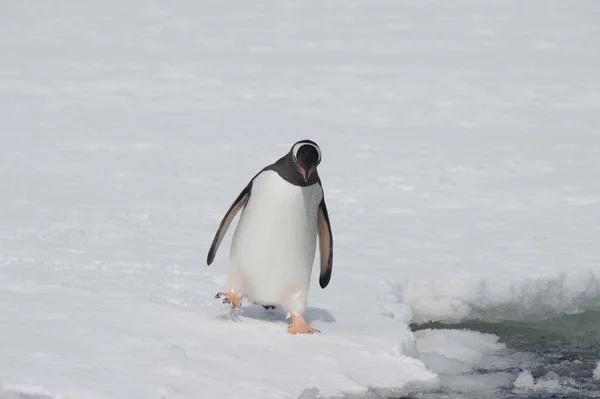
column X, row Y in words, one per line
column 564, row 350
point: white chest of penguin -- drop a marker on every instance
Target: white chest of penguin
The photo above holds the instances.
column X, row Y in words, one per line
column 274, row 244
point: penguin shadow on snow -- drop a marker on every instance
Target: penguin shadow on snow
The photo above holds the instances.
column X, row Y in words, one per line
column 258, row 312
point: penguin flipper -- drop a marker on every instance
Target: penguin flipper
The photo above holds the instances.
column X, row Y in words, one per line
column 326, row 244
column 237, row 205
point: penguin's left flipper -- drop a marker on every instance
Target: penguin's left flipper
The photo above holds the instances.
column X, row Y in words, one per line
column 237, row 205
column 325, row 244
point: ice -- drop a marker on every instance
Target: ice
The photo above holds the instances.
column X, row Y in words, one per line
column 552, row 384
column 501, row 295
column 460, row 156
column 456, row 346
column 547, row 384
column 466, row 361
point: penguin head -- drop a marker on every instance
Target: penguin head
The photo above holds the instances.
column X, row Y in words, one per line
column 306, row 156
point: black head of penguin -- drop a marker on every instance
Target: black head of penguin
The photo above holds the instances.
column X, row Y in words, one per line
column 299, row 165
column 306, row 156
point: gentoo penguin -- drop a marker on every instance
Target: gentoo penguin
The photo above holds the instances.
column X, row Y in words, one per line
column 274, row 244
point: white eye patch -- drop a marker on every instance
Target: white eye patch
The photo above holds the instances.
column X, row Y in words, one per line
column 299, row 144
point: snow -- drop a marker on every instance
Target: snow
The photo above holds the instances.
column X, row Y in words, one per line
column 460, row 155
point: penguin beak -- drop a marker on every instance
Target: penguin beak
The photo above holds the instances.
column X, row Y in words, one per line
column 305, row 174
column 303, row 171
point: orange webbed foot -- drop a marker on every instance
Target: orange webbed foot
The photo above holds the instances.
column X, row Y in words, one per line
column 300, row 326
column 230, row 297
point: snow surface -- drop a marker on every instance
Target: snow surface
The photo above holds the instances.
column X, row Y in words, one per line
column 461, row 147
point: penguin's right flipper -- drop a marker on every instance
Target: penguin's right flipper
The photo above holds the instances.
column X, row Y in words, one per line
column 325, row 244
column 237, row 205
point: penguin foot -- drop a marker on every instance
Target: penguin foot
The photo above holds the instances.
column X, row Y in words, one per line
column 300, row 326
column 230, row 297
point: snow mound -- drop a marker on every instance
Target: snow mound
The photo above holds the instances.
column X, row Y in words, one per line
column 500, row 297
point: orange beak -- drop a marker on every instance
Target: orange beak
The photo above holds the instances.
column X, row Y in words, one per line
column 304, row 174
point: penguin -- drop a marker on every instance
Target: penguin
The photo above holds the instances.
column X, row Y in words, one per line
column 283, row 212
